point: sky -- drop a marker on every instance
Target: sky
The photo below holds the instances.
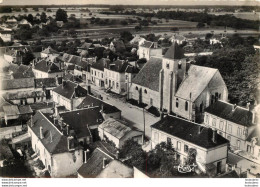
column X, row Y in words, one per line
column 132, row 2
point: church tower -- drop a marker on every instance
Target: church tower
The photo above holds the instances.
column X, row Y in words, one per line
column 172, row 73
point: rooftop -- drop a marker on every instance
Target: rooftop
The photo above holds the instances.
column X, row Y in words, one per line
column 189, row 131
column 17, row 83
column 197, row 80
column 225, row 111
column 174, row 52
column 49, row 50
column 118, row 66
column 47, row 66
column 69, row 89
column 101, row 64
column 149, row 74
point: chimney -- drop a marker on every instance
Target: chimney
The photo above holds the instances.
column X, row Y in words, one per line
column 234, row 107
column 31, row 121
column 68, row 130
column 248, row 106
column 251, row 109
column 70, row 143
column 214, row 136
column 117, row 154
column 86, row 155
column 161, row 115
column 104, row 162
column 102, row 107
column 41, row 133
column 200, row 129
column 63, row 83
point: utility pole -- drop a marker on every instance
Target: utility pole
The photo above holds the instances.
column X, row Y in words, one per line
column 144, row 126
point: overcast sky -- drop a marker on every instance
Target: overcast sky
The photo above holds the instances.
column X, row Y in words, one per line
column 132, row 2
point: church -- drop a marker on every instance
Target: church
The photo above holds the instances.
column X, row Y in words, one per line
column 173, row 85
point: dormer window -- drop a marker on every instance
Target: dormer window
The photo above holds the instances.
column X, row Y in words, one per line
column 167, row 65
column 145, row 91
column 179, row 65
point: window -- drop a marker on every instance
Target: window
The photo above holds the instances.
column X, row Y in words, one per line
column 51, row 161
column 179, row 65
column 179, row 146
column 229, row 128
column 177, row 103
column 156, row 137
column 245, row 132
column 186, row 106
column 248, row 149
column 214, row 122
column 145, row 91
column 95, row 73
column 92, row 72
column 186, row 148
column 221, row 124
column 117, row 85
column 167, row 65
column 239, row 131
column 207, row 119
column 238, row 144
column 102, row 75
column 169, row 141
column 136, row 88
column 126, row 77
column 151, row 101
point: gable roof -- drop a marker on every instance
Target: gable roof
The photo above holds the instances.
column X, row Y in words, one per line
column 188, row 131
column 197, row 80
column 92, row 101
column 70, row 90
column 80, row 120
column 149, row 75
column 47, row 82
column 17, row 83
column 225, row 110
column 115, row 127
column 118, row 66
column 174, row 52
column 54, row 141
column 146, row 44
column 49, row 50
column 47, row 66
column 101, row 64
column 11, row 110
column 94, row 165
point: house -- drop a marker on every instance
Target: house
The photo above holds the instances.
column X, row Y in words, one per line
column 148, row 49
column 46, row 69
column 69, row 94
column 115, row 76
column 14, row 56
column 117, row 46
column 49, row 52
column 236, row 124
column 11, row 21
column 118, row 132
column 24, row 22
column 107, row 110
column 97, row 72
column 208, row 148
column 179, row 39
column 47, row 85
column 137, row 40
column 6, row 34
column 17, row 113
column 60, row 153
column 83, row 123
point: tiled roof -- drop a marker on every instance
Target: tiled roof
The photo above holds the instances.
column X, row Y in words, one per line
column 147, row 44
column 47, row 82
column 174, row 52
column 131, row 69
column 94, row 165
column 118, row 66
column 189, row 131
column 25, row 109
column 224, row 110
column 197, row 80
column 119, row 44
column 92, row 101
column 70, row 90
column 115, row 128
column 49, row 50
column 11, row 110
column 149, row 75
column 23, row 94
column 116, row 169
column 80, row 119
column 17, row 83
column 54, row 141
column 101, row 64
column 22, row 71
column 47, row 66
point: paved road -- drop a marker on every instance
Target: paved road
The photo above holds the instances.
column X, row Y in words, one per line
column 243, row 163
column 130, row 113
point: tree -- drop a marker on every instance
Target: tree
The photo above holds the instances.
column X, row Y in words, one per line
column 43, row 17
column 137, row 28
column 200, row 25
column 30, row 18
column 5, row 9
column 36, row 9
column 61, row 15
column 126, row 36
column 28, row 57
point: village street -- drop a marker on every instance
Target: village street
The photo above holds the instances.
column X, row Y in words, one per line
column 132, row 114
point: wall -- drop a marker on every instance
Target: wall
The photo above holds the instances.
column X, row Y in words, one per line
column 97, row 76
column 60, row 100
column 139, row 174
column 102, row 133
column 41, row 74
column 118, row 79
